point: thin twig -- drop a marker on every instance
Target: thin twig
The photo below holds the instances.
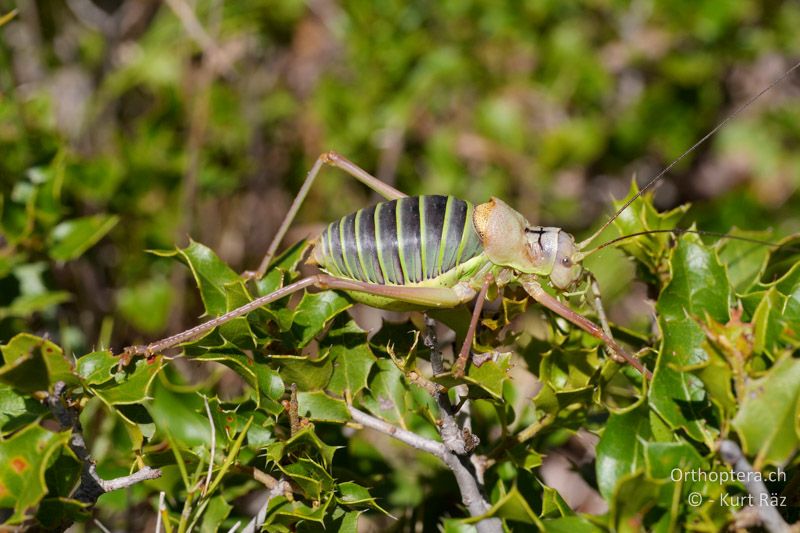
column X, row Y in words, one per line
column 294, row 415
column 281, row 488
column 161, row 508
column 213, row 447
column 100, row 526
column 412, row 439
column 463, row 470
column 769, row 516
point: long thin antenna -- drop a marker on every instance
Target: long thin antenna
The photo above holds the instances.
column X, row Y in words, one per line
column 677, row 231
column 708, row 135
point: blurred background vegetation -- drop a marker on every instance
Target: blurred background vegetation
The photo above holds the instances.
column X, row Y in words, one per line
column 134, row 125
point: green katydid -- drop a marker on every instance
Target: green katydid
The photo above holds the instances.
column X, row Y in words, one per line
column 434, row 252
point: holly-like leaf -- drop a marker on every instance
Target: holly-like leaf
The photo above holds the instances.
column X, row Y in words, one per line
column 311, row 477
column 17, row 410
column 621, row 450
column 490, row 376
column 97, row 367
column 512, row 506
column 34, row 364
column 351, row 357
column 210, row 273
column 313, row 313
column 265, row 382
column 23, row 461
column 387, row 393
column 305, row 372
column 699, row 287
column 131, row 386
column 642, row 216
column 319, row 406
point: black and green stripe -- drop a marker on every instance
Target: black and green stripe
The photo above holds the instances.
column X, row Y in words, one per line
column 403, row 241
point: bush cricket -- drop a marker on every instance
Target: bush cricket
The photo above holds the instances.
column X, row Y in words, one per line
column 434, row 252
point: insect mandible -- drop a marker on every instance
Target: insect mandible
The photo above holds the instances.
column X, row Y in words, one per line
column 435, row 252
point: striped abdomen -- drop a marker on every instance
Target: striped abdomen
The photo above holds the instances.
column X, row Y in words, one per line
column 400, row 242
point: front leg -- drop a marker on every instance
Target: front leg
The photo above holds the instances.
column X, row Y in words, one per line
column 535, row 290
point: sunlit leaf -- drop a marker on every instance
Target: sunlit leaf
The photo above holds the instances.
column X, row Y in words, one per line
column 23, row 460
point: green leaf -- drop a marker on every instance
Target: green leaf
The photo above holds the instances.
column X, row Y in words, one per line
column 387, row 393
column 490, row 376
column 661, row 458
column 570, row 524
column 216, row 512
column 768, row 419
column 71, row 238
column 304, row 440
column 34, row 364
column 314, row 311
column 97, row 367
column 744, row 260
column 621, row 450
column 284, row 512
column 55, row 512
column 782, row 260
column 210, row 274
column 282, row 269
column 319, row 406
column 631, row 502
column 23, row 461
column 512, row 506
column 17, row 410
column 179, row 416
column 642, row 216
column 307, row 373
column 768, row 321
column 131, row 386
column 698, row 288
column 265, row 382
column 25, row 305
column 351, row 357
column 311, row 477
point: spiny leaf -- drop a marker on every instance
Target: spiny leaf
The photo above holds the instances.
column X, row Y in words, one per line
column 210, row 273
column 698, row 288
column 23, row 461
column 351, row 357
column 34, row 364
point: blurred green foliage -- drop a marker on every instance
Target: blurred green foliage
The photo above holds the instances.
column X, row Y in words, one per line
column 131, row 126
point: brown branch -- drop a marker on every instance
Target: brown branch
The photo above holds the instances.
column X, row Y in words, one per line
column 462, row 468
column 91, row 486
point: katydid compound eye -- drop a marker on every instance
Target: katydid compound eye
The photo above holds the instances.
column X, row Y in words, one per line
column 565, row 261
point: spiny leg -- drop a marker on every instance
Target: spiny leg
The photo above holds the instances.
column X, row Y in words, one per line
column 426, row 296
column 334, row 160
column 535, row 290
column 463, row 356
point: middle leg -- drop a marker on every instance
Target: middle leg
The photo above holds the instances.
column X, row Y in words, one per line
column 330, row 159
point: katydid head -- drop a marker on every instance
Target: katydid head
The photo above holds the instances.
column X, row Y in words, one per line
column 510, row 240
